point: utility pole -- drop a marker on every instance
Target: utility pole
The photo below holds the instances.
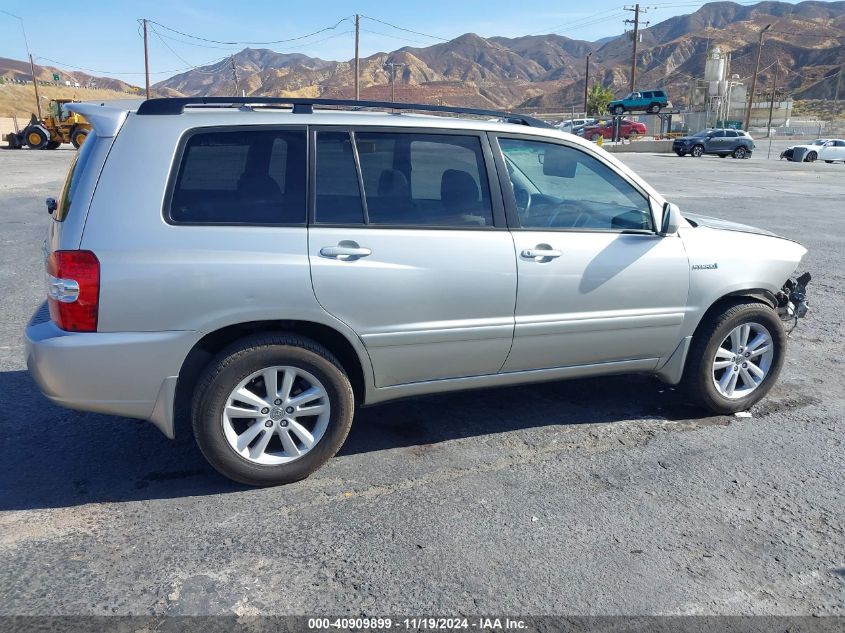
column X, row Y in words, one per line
column 838, row 82
column 357, row 57
column 772, row 102
column 586, row 83
column 146, row 59
column 234, row 73
column 754, row 79
column 35, row 83
column 636, row 22
column 393, row 66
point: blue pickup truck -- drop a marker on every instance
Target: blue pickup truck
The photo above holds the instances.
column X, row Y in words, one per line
column 644, row 101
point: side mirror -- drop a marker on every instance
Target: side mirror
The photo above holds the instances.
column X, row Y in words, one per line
column 671, row 219
column 52, row 205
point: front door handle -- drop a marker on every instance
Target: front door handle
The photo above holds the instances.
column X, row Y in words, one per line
column 541, row 253
column 345, row 251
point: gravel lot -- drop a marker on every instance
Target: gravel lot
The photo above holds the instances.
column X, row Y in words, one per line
column 608, row 496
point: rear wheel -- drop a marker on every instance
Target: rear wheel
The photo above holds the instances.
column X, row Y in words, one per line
column 811, row 157
column 735, row 357
column 36, row 138
column 272, row 409
column 697, row 151
column 78, row 137
column 740, row 152
column 654, row 108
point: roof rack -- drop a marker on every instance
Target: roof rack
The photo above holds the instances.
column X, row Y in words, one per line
column 176, row 105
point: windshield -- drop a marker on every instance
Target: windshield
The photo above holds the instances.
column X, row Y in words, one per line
column 702, row 133
column 820, row 141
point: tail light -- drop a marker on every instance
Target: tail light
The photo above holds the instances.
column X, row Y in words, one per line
column 73, row 290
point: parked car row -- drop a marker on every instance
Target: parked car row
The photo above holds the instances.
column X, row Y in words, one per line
column 592, row 129
column 721, row 142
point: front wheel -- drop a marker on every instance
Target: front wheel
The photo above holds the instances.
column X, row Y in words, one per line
column 740, row 152
column 811, row 157
column 654, row 108
column 618, row 110
column 36, row 138
column 735, row 357
column 272, row 409
column 697, row 151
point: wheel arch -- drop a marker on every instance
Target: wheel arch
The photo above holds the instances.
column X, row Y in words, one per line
column 672, row 370
column 352, row 358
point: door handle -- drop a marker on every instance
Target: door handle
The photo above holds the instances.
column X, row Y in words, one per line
column 344, row 252
column 541, row 252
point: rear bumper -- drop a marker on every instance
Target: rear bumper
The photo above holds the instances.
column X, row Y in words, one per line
column 131, row 374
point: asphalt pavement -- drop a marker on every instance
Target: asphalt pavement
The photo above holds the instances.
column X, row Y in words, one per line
column 601, row 496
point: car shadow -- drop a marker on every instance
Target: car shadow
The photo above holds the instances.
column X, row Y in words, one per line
column 52, row 457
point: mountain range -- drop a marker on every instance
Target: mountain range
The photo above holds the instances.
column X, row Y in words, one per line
column 806, row 43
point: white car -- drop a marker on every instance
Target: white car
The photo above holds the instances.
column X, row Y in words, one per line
column 827, row 149
column 571, row 124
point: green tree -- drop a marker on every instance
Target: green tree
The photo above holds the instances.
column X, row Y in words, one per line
column 597, row 99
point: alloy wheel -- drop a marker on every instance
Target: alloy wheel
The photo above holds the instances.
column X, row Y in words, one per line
column 276, row 415
column 743, row 360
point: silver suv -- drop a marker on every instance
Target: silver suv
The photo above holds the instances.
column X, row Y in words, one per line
column 276, row 263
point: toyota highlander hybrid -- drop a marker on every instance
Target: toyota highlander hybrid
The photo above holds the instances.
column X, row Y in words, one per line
column 276, row 263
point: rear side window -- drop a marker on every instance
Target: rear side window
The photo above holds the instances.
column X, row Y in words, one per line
column 241, row 177
column 424, row 179
column 731, row 134
column 74, row 175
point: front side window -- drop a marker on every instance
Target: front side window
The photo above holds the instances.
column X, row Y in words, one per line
column 241, row 177
column 560, row 187
column 424, row 179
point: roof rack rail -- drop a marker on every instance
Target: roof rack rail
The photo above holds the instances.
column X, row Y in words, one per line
column 176, row 105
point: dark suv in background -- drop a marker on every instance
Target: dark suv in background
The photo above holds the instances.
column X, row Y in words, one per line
column 723, row 142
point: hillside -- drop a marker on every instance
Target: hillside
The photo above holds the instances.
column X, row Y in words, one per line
column 13, row 69
column 546, row 71
column 19, row 99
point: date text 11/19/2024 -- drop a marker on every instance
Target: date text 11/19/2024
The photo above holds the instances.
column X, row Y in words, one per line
column 417, row 624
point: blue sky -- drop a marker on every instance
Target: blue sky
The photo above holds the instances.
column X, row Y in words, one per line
column 104, row 36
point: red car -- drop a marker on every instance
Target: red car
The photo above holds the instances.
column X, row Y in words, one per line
column 627, row 129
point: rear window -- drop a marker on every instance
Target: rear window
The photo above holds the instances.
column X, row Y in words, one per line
column 241, row 177
column 74, row 176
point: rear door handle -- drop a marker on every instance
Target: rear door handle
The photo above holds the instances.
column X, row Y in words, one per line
column 541, row 252
column 345, row 253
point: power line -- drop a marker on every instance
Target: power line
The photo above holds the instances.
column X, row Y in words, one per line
column 402, row 28
column 291, row 39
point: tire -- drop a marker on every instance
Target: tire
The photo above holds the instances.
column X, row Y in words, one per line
column 811, row 157
column 654, row 108
column 723, row 155
column 740, row 152
column 700, row 375
column 78, row 137
column 53, row 144
column 681, row 154
column 633, row 135
column 35, row 138
column 216, row 432
column 697, row 151
column 619, row 110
